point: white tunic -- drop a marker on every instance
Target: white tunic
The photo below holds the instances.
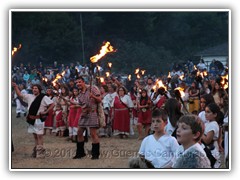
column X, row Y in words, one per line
column 38, row 126
column 160, row 152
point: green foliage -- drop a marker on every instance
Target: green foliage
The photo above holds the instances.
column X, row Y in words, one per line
column 149, row 40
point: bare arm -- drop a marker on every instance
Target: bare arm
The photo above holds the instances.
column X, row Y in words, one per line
column 18, row 92
column 207, row 139
column 48, row 109
column 97, row 98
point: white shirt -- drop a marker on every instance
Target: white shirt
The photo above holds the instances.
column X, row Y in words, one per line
column 196, row 149
column 126, row 99
column 29, row 98
column 213, row 126
column 202, row 117
column 160, row 152
column 106, row 101
column 169, row 129
column 201, row 66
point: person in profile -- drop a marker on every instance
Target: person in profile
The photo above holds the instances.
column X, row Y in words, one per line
column 190, row 153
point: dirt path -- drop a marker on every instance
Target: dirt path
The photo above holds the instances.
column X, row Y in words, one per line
column 115, row 152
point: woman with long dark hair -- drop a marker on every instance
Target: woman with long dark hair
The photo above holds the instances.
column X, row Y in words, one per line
column 173, row 109
column 144, row 114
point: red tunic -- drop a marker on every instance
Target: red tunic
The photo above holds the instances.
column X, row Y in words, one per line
column 161, row 101
column 144, row 114
column 71, row 116
column 134, row 99
column 49, row 119
column 121, row 116
column 59, row 119
column 77, row 117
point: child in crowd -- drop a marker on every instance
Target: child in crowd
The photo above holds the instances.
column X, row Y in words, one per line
column 159, row 148
column 59, row 116
column 73, row 116
column 144, row 115
column 204, row 101
column 190, row 154
column 212, row 132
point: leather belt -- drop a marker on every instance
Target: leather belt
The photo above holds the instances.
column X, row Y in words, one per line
column 34, row 117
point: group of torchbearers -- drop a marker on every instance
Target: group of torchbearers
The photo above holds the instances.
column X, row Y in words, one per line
column 122, row 109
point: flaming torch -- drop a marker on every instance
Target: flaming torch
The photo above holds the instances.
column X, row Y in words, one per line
column 58, row 76
column 106, row 48
column 109, row 66
column 107, row 74
column 143, row 72
column 129, row 77
column 181, row 77
column 179, row 93
column 15, row 49
column 224, row 81
column 136, row 71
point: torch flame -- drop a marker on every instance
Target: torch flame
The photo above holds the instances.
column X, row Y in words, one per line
column 159, row 84
column 137, row 71
column 106, row 48
column 59, row 76
column 15, row 49
column 107, row 74
column 181, row 90
column 138, row 76
column 44, row 79
column 181, row 77
column 205, row 73
column 143, row 72
column 109, row 65
column 224, row 81
column 129, row 77
column 101, row 79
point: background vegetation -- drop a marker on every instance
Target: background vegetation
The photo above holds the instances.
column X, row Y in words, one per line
column 150, row 40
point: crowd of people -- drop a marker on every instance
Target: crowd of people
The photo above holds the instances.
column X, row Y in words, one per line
column 182, row 114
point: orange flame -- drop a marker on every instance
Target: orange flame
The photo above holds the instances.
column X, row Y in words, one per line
column 15, row 49
column 224, row 81
column 159, row 84
column 181, row 90
column 107, row 74
column 181, row 77
column 44, row 79
column 59, row 76
column 205, row 73
column 101, row 79
column 137, row 71
column 138, row 76
column 129, row 77
column 109, row 64
column 143, row 72
column 106, row 48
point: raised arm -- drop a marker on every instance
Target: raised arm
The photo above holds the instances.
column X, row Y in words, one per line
column 18, row 92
